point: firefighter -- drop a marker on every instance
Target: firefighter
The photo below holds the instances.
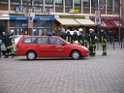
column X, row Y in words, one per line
column 103, row 40
column 6, row 38
column 82, row 38
column 63, row 35
column 68, row 36
column 92, row 42
column 75, row 37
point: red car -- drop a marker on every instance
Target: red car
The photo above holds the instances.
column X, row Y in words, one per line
column 49, row 46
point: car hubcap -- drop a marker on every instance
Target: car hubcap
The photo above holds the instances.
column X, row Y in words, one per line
column 75, row 55
column 31, row 55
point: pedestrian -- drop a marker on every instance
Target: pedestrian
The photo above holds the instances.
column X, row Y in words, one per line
column 75, row 37
column 92, row 42
column 63, row 35
column 68, row 36
column 103, row 40
column 82, row 38
column 110, row 37
column 45, row 32
column 35, row 32
column 8, row 44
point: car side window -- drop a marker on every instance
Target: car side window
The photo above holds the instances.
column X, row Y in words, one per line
column 55, row 41
column 30, row 40
column 42, row 40
column 27, row 40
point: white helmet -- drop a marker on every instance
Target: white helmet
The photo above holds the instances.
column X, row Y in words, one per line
column 68, row 30
column 12, row 31
column 80, row 29
column 76, row 42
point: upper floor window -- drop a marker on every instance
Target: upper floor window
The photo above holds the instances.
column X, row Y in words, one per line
column 48, row 3
column 86, row 4
column 4, row 2
column 94, row 4
column 68, row 3
column 15, row 2
column 27, row 2
column 38, row 2
column 59, row 3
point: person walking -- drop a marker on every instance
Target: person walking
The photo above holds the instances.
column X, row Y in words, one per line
column 6, row 38
column 103, row 40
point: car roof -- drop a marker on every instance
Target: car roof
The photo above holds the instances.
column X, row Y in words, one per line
column 25, row 36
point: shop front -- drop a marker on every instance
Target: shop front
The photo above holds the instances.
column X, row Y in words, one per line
column 21, row 24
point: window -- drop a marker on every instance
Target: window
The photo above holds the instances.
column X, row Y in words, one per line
column 86, row 4
column 38, row 2
column 94, row 4
column 55, row 41
column 27, row 40
column 59, row 3
column 30, row 40
column 4, row 2
column 42, row 40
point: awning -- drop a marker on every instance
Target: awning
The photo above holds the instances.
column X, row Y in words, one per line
column 106, row 24
column 41, row 27
column 67, row 21
column 117, row 23
column 4, row 16
column 18, row 27
column 18, row 18
column 43, row 19
column 86, row 22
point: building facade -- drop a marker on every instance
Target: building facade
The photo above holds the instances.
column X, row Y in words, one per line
column 25, row 15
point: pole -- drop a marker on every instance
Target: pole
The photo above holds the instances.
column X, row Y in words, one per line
column 119, row 24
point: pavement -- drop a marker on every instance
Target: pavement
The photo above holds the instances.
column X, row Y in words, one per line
column 99, row 74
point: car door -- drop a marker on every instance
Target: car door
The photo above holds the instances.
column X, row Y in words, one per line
column 42, row 46
column 56, row 47
column 51, row 47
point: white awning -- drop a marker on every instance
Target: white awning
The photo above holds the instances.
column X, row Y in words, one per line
column 86, row 22
column 4, row 16
column 67, row 21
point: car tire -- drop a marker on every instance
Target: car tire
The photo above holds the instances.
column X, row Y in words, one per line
column 31, row 55
column 75, row 55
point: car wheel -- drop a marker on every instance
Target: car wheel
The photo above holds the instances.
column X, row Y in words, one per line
column 31, row 55
column 75, row 55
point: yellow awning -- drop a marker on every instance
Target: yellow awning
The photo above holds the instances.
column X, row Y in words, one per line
column 68, row 21
column 86, row 22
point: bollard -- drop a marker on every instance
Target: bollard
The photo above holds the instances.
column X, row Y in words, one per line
column 0, row 50
column 113, row 44
column 121, row 44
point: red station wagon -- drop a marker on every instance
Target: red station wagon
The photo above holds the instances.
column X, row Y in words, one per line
column 49, row 46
